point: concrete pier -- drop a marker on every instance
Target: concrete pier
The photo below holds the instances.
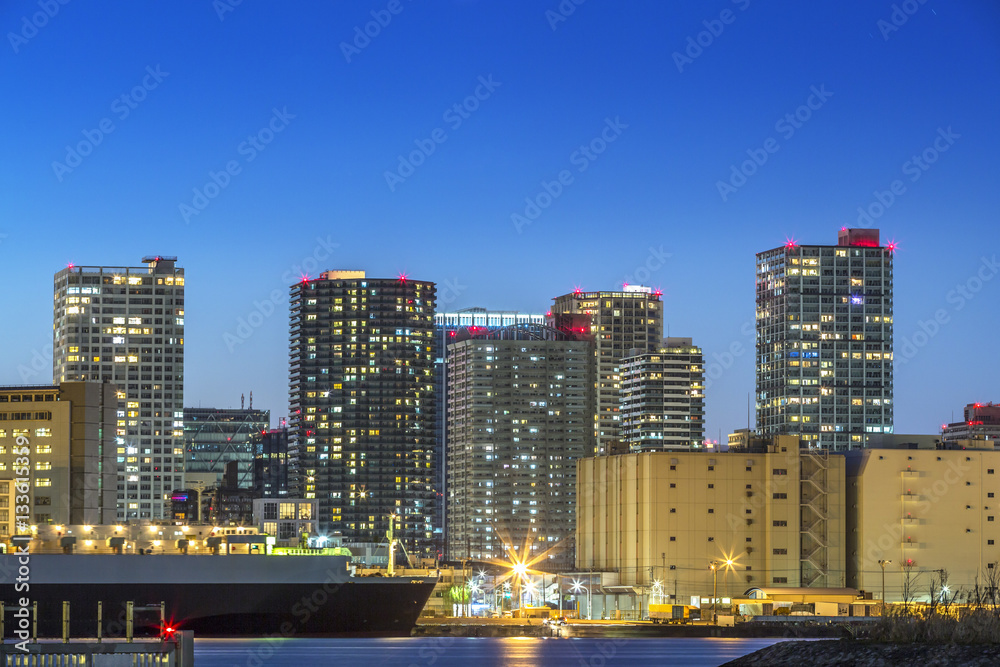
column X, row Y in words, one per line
column 175, row 652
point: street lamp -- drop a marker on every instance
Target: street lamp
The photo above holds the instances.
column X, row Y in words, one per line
column 883, row 563
column 576, row 588
column 658, row 590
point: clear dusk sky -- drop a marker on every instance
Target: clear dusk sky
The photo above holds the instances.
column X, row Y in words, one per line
column 593, row 142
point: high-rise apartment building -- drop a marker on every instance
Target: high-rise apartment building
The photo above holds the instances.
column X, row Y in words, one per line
column 215, row 436
column 520, row 410
column 451, row 327
column 361, row 399
column 663, row 398
column 981, row 422
column 125, row 325
column 620, row 322
column 824, row 340
column 68, row 431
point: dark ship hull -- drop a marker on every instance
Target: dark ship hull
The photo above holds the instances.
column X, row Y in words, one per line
column 223, row 596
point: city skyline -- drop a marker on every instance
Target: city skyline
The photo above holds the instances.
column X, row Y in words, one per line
column 699, row 169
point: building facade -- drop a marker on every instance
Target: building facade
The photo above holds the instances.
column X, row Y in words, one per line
column 520, row 409
column 450, row 327
column 620, row 322
column 68, row 431
column 270, row 464
column 770, row 516
column 663, row 398
column 215, row 436
column 286, row 519
column 825, row 340
column 362, row 405
column 981, row 422
column 928, row 513
column 125, row 325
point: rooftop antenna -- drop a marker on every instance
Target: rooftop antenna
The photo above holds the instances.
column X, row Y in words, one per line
column 251, row 400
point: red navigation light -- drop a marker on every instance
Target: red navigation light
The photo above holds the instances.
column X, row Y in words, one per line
column 658, row 292
column 625, row 284
column 977, row 405
column 790, row 243
column 402, row 277
column 548, row 314
column 891, row 246
column 843, row 229
column 305, row 278
column 577, row 291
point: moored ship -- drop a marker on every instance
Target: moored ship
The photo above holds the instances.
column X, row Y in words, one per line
column 215, row 594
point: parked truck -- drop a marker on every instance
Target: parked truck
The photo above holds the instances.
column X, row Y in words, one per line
column 673, row 613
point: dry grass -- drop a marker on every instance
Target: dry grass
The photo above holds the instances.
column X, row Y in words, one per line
column 930, row 625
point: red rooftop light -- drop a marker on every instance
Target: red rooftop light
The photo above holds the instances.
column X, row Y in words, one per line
column 402, row 277
column 70, row 265
column 790, row 243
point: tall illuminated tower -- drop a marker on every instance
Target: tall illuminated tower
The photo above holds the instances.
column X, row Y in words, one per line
column 663, row 398
column 126, row 325
column 824, row 340
column 620, row 322
column 362, row 405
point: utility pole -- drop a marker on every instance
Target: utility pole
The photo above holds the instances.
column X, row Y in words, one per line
column 715, row 589
column 391, row 565
column 883, row 563
column 463, row 599
column 559, row 586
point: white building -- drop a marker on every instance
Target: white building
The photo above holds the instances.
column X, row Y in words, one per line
column 126, row 325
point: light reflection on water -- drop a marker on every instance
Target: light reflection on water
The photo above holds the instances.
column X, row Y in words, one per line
column 471, row 651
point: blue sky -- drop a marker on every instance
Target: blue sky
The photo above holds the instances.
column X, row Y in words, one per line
column 309, row 118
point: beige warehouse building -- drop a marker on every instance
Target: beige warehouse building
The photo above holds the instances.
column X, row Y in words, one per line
column 777, row 513
column 70, row 429
column 931, row 512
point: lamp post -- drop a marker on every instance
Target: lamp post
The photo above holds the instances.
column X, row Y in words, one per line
column 715, row 589
column 729, row 566
column 559, row 588
column 520, row 570
column 883, row 563
column 576, row 588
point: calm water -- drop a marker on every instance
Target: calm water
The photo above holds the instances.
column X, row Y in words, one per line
column 472, row 652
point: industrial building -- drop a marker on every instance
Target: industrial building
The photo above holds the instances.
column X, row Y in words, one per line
column 66, row 433
column 769, row 515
